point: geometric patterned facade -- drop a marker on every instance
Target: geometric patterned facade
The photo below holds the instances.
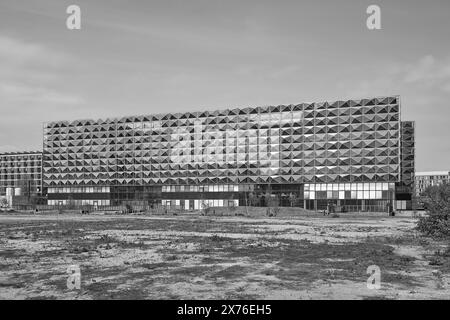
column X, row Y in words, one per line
column 407, row 186
column 353, row 141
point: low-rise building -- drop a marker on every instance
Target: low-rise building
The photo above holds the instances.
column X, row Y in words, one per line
column 20, row 175
column 430, row 178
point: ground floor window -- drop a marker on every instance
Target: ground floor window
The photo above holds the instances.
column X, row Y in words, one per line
column 78, row 202
column 197, row 204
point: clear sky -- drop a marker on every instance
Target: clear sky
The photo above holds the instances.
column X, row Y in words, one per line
column 142, row 57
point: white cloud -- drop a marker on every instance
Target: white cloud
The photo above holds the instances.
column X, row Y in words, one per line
column 427, row 73
column 421, row 71
column 31, row 73
column 33, row 94
column 14, row 52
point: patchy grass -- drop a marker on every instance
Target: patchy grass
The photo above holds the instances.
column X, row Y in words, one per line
column 208, row 257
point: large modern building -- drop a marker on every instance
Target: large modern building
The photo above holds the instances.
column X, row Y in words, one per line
column 20, row 174
column 355, row 153
column 430, row 178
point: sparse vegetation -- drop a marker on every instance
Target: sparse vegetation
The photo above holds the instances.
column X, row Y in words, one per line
column 4, row 203
column 208, row 257
column 437, row 222
column 273, row 204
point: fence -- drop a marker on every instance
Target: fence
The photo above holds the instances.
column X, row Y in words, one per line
column 160, row 209
column 359, row 208
column 122, row 209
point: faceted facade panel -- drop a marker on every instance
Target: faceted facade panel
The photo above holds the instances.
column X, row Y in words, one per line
column 408, row 154
column 351, row 141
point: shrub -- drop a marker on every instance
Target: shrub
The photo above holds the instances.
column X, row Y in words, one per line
column 437, row 222
column 128, row 208
column 217, row 238
column 4, row 203
column 434, row 226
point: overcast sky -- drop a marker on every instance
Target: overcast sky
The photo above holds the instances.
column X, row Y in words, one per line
column 142, row 57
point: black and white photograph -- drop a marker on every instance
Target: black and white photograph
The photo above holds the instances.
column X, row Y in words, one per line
column 235, row 152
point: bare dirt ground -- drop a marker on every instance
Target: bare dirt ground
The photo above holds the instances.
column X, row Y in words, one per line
column 198, row 257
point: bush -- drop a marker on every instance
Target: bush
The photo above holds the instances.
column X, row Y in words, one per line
column 4, row 203
column 128, row 208
column 437, row 223
column 434, row 226
column 217, row 238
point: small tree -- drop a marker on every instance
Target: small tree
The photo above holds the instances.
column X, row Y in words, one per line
column 4, row 203
column 253, row 199
column 437, row 202
column 292, row 199
column 272, row 203
column 231, row 204
column 206, row 207
column 70, row 202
